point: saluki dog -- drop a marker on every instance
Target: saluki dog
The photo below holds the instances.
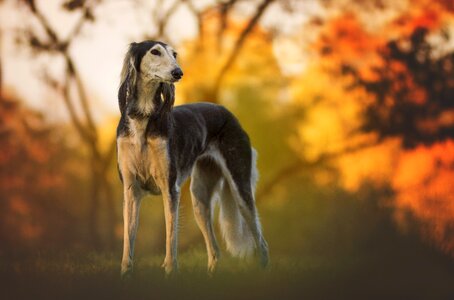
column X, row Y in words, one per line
column 159, row 146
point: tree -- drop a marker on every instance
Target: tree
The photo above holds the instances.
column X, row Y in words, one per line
column 409, row 91
column 413, row 90
column 33, row 160
column 85, row 125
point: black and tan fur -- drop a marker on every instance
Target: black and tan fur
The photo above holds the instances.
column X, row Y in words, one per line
column 160, row 146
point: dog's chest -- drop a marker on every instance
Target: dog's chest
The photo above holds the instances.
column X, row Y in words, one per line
column 146, row 159
column 137, row 129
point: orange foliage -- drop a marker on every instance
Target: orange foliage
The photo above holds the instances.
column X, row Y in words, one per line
column 29, row 170
column 373, row 165
column 423, row 182
column 19, row 206
column 423, row 178
column 333, row 115
column 204, row 58
column 19, row 217
column 428, row 14
column 345, row 39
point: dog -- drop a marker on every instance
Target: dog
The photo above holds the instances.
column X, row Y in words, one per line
column 159, row 146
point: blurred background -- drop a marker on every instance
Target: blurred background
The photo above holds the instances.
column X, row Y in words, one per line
column 350, row 105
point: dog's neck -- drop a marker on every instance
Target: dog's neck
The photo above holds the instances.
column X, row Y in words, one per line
column 146, row 92
column 143, row 114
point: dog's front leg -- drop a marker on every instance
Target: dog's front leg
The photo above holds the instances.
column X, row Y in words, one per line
column 131, row 205
column 171, row 202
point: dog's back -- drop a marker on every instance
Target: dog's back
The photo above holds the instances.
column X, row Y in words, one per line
column 202, row 127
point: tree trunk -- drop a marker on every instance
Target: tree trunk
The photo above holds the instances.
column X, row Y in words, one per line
column 110, row 204
column 1, row 69
column 101, row 199
column 95, row 193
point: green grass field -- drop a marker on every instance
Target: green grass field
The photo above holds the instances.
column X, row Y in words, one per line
column 96, row 276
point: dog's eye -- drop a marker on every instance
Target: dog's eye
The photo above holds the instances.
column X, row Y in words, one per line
column 175, row 54
column 155, row 52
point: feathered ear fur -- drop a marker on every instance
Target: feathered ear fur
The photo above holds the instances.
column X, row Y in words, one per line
column 128, row 79
column 168, row 96
column 164, row 98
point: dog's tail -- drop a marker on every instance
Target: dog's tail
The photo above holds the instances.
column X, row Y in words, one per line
column 235, row 230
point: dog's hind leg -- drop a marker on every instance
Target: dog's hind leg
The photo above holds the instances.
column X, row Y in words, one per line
column 205, row 179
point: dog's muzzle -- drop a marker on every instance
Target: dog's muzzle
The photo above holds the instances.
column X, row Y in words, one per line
column 177, row 73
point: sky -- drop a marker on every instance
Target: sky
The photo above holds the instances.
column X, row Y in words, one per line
column 99, row 50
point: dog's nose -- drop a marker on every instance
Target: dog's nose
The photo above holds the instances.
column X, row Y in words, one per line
column 177, row 73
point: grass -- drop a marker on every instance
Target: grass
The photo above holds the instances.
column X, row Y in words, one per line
column 96, row 276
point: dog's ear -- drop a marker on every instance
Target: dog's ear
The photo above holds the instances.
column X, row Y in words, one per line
column 128, row 80
column 168, row 96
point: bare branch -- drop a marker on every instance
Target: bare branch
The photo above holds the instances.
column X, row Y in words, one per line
column 300, row 165
column 1, row 78
column 239, row 44
column 109, row 155
column 286, row 172
column 50, row 32
column 71, row 5
column 72, row 112
column 82, row 94
column 1, row 67
column 87, row 15
column 164, row 19
column 224, row 9
column 199, row 17
column 62, row 48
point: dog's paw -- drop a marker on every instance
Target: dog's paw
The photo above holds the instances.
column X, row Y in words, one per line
column 170, row 268
column 264, row 254
column 212, row 266
column 126, row 275
column 126, row 272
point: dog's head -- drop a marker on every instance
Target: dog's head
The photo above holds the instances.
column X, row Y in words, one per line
column 149, row 61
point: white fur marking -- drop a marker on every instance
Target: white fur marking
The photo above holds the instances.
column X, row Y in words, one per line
column 235, row 230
